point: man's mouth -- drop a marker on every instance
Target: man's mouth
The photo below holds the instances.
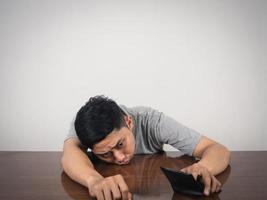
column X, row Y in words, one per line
column 126, row 162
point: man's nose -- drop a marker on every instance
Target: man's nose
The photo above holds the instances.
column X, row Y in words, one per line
column 119, row 156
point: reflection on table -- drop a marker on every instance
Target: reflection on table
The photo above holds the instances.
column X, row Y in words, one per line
column 144, row 177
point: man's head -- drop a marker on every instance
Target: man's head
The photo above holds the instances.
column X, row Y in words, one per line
column 102, row 126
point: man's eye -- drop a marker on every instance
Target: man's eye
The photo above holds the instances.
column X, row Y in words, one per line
column 106, row 155
column 120, row 144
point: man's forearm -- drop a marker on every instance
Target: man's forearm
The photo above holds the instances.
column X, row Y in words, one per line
column 215, row 158
column 78, row 166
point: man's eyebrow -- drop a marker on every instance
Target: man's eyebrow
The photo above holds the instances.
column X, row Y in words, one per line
column 102, row 153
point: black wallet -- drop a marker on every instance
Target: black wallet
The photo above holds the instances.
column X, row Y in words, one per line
column 184, row 183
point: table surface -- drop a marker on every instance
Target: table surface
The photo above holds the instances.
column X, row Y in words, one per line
column 39, row 175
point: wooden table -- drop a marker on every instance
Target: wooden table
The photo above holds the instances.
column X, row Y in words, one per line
column 38, row 175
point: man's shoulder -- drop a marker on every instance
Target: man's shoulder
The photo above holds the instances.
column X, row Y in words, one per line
column 139, row 109
column 143, row 114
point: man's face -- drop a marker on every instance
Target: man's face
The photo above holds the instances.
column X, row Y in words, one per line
column 118, row 147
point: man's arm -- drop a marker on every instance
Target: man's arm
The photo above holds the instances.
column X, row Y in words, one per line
column 79, row 168
column 214, row 156
column 214, row 159
column 76, row 163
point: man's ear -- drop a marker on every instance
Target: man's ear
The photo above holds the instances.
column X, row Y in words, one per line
column 129, row 121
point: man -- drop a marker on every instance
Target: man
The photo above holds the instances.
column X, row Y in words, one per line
column 114, row 133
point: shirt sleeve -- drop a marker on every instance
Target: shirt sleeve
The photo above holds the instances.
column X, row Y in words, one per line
column 72, row 132
column 169, row 131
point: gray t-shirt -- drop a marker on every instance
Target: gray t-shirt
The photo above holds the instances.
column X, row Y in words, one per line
column 152, row 129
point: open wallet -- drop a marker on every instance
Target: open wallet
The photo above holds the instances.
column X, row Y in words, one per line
column 184, row 183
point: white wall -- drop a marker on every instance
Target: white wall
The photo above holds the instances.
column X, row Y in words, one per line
column 201, row 62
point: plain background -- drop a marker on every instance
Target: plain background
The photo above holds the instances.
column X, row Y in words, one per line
column 201, row 62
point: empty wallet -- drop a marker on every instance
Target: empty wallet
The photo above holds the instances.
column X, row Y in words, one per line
column 184, row 183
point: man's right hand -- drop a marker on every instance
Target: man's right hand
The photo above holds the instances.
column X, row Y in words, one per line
column 112, row 187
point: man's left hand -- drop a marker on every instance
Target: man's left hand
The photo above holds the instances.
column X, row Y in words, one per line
column 211, row 183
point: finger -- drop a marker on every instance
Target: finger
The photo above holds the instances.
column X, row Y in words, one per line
column 194, row 174
column 115, row 191
column 207, row 183
column 99, row 195
column 185, row 170
column 214, row 184
column 129, row 196
column 107, row 193
column 218, row 189
column 91, row 193
column 123, row 188
column 219, row 186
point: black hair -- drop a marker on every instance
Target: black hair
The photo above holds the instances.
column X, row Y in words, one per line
column 98, row 118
